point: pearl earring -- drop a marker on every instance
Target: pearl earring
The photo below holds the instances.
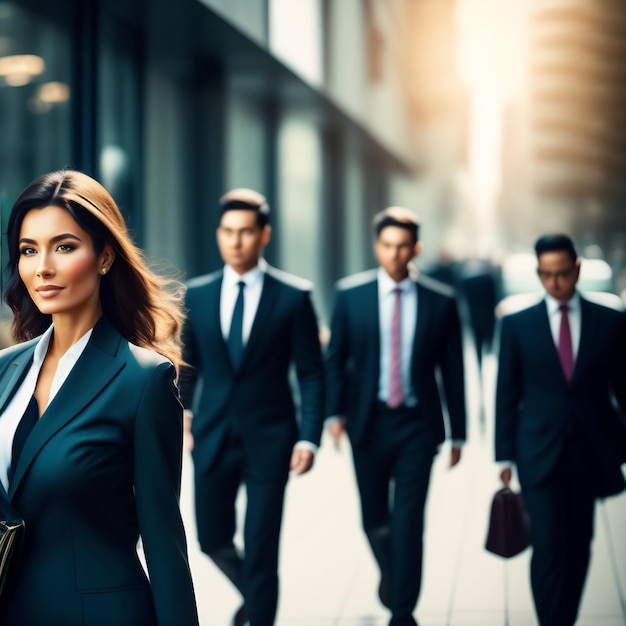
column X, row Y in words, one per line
column 103, row 271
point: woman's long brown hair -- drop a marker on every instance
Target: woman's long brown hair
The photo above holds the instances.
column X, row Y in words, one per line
column 146, row 308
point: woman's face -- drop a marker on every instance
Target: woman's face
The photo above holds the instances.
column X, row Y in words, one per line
column 58, row 264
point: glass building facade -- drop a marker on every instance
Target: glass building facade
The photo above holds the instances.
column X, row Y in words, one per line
column 169, row 104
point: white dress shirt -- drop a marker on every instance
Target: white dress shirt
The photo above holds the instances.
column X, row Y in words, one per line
column 251, row 297
column 10, row 418
column 408, row 316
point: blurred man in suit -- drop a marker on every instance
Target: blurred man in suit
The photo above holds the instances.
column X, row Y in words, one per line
column 390, row 336
column 562, row 363
column 247, row 324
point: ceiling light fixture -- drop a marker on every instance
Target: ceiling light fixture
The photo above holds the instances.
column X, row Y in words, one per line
column 19, row 69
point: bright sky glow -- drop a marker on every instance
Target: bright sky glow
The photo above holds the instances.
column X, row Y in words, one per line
column 492, row 48
column 295, row 28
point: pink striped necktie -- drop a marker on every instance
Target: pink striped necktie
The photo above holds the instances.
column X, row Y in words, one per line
column 396, row 392
column 565, row 350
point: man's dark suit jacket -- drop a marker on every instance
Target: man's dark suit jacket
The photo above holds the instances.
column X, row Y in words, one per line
column 535, row 405
column 101, row 466
column 353, row 356
column 256, row 400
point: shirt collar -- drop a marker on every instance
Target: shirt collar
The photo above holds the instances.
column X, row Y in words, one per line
column 251, row 277
column 387, row 285
column 41, row 348
column 554, row 305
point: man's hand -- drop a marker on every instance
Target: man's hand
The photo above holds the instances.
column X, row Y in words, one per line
column 301, row 460
column 505, row 476
column 187, row 436
column 455, row 455
column 336, row 430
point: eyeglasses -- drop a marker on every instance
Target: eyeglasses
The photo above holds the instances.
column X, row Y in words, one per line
column 555, row 275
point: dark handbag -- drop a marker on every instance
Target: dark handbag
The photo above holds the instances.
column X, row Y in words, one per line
column 509, row 527
column 11, row 530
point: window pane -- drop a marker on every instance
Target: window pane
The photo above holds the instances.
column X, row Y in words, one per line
column 119, row 127
column 35, row 94
column 34, row 97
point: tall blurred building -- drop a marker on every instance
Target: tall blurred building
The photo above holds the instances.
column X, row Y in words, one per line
column 565, row 151
column 439, row 106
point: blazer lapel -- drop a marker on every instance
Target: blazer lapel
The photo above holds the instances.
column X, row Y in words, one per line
column 214, row 319
column 93, row 371
column 587, row 335
column 424, row 310
column 15, row 374
column 372, row 307
column 269, row 294
column 540, row 326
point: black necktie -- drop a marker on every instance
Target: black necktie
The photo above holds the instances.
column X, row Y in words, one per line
column 235, row 336
column 27, row 423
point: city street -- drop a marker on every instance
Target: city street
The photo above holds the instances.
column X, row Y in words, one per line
column 328, row 577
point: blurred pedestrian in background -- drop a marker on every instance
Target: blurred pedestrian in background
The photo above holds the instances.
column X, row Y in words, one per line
column 390, row 336
column 562, row 364
column 247, row 324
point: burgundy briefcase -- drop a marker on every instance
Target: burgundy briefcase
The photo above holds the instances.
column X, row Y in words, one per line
column 509, row 527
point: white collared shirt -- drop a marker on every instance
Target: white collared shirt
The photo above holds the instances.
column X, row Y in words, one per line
column 574, row 315
column 251, row 297
column 386, row 299
column 10, row 418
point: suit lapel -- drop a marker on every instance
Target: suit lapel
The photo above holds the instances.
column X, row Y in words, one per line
column 16, row 372
column 588, row 328
column 369, row 314
column 93, row 371
column 424, row 311
column 540, row 327
column 214, row 318
column 267, row 302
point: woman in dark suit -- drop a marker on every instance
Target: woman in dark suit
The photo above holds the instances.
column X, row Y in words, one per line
column 90, row 422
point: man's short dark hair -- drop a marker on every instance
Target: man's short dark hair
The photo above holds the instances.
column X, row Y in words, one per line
column 249, row 200
column 556, row 243
column 399, row 217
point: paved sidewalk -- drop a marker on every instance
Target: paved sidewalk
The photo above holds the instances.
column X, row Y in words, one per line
column 328, row 577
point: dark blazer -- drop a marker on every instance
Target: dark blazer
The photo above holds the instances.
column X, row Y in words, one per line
column 101, row 468
column 256, row 399
column 353, row 356
column 535, row 405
